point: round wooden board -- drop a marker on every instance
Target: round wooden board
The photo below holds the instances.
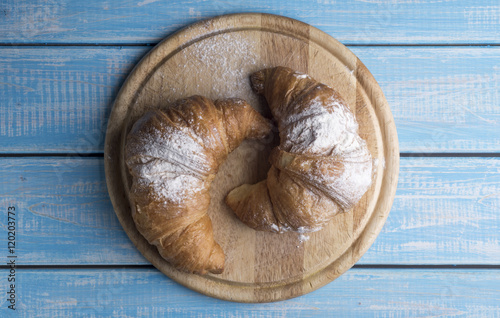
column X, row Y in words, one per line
column 215, row 58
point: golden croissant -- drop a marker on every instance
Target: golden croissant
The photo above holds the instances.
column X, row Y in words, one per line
column 173, row 156
column 321, row 166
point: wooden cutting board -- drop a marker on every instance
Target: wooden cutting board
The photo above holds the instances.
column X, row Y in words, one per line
column 215, row 58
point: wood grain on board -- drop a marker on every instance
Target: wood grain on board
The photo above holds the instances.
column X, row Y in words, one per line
column 352, row 22
column 214, row 59
column 58, row 100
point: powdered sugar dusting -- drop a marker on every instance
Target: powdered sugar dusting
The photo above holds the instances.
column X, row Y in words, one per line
column 320, row 130
column 169, row 161
column 303, row 238
column 275, row 228
column 327, row 132
column 284, row 227
column 174, row 188
column 228, row 59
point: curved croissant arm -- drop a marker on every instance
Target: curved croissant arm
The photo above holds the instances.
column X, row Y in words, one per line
column 173, row 156
column 321, row 167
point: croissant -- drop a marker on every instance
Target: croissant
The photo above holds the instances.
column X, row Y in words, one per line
column 321, row 166
column 173, row 156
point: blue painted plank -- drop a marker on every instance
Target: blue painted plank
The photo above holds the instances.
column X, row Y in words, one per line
column 445, row 212
column 442, row 99
column 352, row 22
column 63, row 212
column 357, row 293
column 58, row 99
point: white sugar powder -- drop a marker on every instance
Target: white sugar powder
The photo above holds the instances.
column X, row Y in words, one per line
column 318, row 130
column 328, row 129
column 171, row 162
column 227, row 60
column 303, row 238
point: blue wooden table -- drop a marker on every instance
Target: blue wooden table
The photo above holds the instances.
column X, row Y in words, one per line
column 63, row 62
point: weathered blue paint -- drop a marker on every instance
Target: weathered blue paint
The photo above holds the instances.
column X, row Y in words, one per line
column 353, row 22
column 358, row 293
column 445, row 212
column 58, row 99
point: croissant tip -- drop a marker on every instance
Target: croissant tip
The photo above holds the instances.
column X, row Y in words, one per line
column 257, row 81
column 232, row 198
column 218, row 270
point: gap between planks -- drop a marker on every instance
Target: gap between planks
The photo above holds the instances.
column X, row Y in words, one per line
column 152, row 44
column 402, row 155
column 363, row 266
